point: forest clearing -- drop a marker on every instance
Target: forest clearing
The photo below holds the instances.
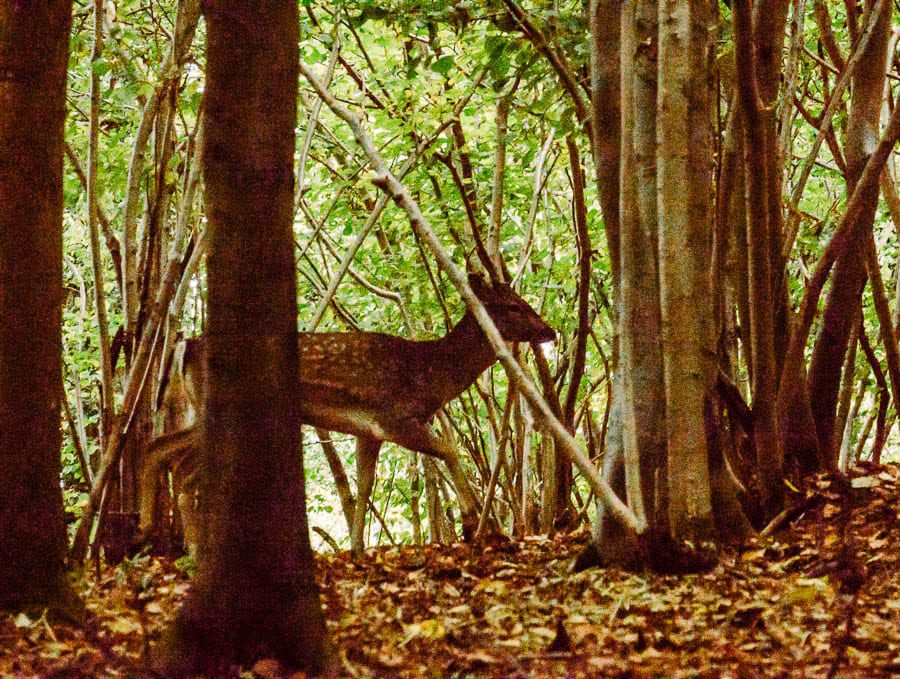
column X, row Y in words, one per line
column 512, row 338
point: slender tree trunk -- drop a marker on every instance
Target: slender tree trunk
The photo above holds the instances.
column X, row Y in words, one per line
column 769, row 22
column 565, row 513
column 757, row 164
column 848, row 373
column 847, row 438
column 255, row 594
column 639, row 430
column 605, row 27
column 107, row 396
column 34, row 52
column 185, row 24
column 685, row 229
column 433, row 502
column 849, row 277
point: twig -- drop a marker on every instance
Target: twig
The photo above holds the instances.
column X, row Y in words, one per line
column 321, row 532
column 882, row 310
column 793, row 219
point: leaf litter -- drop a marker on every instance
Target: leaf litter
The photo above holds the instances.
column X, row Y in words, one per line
column 820, row 599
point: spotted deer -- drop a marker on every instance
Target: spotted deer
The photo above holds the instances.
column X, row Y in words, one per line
column 374, row 386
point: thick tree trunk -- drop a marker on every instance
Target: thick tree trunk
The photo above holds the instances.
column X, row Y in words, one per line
column 255, row 594
column 639, row 377
column 34, row 42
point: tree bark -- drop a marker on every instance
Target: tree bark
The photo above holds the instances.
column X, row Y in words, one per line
column 34, row 43
column 685, row 192
column 107, row 395
column 583, row 240
column 757, row 166
column 635, row 432
column 255, row 595
column 605, row 27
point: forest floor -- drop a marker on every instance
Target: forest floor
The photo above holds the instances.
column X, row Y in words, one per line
column 821, row 599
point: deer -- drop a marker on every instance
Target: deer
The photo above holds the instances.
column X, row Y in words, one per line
column 374, row 386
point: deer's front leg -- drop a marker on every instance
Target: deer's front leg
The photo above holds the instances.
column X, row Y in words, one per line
column 366, row 462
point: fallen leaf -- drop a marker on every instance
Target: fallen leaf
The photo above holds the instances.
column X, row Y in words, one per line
column 427, row 629
column 267, row 668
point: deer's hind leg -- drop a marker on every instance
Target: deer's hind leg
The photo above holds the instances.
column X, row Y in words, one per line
column 162, row 453
column 366, row 462
column 420, row 437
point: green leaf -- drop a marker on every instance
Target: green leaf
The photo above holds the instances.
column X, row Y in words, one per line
column 100, row 66
column 443, row 65
column 500, row 66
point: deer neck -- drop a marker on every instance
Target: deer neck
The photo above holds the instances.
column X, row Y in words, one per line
column 461, row 356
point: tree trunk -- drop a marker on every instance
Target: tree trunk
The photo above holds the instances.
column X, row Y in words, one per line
column 849, row 277
column 757, row 165
column 641, row 357
column 34, row 42
column 605, row 19
column 685, row 194
column 639, row 376
column 255, row 595
column 605, row 26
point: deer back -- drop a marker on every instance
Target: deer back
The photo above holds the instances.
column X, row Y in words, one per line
column 363, row 383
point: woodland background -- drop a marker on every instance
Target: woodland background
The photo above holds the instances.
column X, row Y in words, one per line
column 412, row 67
column 533, row 137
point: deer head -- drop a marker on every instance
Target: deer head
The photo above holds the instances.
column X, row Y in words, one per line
column 512, row 315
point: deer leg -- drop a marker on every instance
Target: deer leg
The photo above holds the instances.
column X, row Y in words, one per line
column 417, row 436
column 467, row 501
column 188, row 510
column 160, row 454
column 185, row 480
column 366, row 461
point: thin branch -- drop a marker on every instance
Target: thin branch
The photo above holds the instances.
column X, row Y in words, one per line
column 540, row 181
column 493, row 236
column 826, row 35
column 583, row 238
column 107, row 395
column 792, row 218
column 883, row 390
column 112, row 243
column 844, row 234
column 556, row 58
column 311, row 123
column 186, row 22
column 495, row 470
column 882, row 310
column 797, row 21
column 380, row 205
